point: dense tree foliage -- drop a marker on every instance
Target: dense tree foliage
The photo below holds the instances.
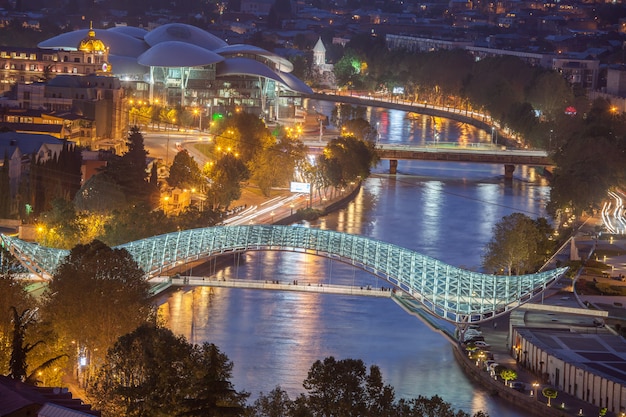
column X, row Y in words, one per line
column 591, row 159
column 345, row 388
column 129, row 171
column 346, row 159
column 243, row 134
column 96, row 295
column 57, row 177
column 184, row 172
column 519, row 245
column 274, row 166
column 152, row 372
column 12, row 296
column 225, row 178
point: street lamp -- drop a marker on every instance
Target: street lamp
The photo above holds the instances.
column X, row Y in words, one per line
column 291, row 206
column 535, row 390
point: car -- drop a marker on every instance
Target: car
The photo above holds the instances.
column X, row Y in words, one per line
column 475, row 339
column 518, row 386
column 492, row 366
column 481, row 344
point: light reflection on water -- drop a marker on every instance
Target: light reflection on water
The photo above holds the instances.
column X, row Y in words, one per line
column 444, row 210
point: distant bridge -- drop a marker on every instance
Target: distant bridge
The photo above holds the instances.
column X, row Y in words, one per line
column 477, row 153
column 447, row 292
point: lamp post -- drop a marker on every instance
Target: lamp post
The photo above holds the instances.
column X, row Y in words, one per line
column 535, row 390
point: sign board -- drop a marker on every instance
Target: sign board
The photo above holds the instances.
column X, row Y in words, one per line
column 300, row 187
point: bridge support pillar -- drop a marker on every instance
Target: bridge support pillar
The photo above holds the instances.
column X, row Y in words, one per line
column 393, row 166
column 508, row 172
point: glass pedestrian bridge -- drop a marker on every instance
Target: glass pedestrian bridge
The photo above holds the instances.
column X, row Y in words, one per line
column 447, row 292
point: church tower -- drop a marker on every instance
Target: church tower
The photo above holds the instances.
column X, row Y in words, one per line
column 95, row 52
column 319, row 54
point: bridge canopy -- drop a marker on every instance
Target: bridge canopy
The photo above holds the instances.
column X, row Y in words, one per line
column 447, row 292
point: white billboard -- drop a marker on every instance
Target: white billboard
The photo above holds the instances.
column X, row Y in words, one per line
column 300, row 187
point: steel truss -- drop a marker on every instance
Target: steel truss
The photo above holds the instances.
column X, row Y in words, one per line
column 453, row 294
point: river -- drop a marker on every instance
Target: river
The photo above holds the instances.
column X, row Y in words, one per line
column 444, row 210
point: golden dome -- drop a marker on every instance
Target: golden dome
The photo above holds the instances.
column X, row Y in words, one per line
column 91, row 43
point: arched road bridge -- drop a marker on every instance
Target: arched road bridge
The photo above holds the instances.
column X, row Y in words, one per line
column 447, row 292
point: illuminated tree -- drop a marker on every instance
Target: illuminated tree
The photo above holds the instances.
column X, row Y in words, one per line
column 96, row 295
column 153, row 372
column 508, row 375
column 225, row 178
column 516, row 245
column 184, row 172
column 550, row 393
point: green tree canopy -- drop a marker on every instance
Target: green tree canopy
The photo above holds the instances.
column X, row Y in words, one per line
column 345, row 388
column 12, row 295
column 347, row 159
column 274, row 166
column 225, row 178
column 516, row 245
column 96, row 295
column 184, row 172
column 589, row 163
column 152, row 372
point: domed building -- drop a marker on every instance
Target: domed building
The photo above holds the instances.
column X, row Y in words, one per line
column 181, row 65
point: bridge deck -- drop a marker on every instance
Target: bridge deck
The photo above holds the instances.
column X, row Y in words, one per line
column 268, row 285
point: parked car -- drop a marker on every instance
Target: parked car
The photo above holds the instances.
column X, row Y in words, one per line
column 481, row 344
column 518, row 386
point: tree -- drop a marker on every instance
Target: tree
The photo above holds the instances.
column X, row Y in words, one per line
column 589, row 163
column 225, row 178
column 100, row 194
column 20, row 349
column 347, row 159
column 244, row 134
column 550, row 393
column 184, row 172
column 96, row 295
column 514, row 246
column 508, row 375
column 129, row 171
column 274, row 166
column 275, row 404
column 150, row 371
column 344, row 388
column 12, row 296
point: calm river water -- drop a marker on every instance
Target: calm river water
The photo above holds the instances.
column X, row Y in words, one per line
column 444, row 210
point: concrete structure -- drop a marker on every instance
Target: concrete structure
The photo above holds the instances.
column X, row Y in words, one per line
column 486, row 155
column 182, row 65
column 588, row 366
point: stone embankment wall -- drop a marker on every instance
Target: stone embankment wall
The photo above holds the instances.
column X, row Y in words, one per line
column 523, row 401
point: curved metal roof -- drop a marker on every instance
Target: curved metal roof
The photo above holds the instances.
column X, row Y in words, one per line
column 125, row 65
column 133, row 31
column 118, row 43
column 283, row 64
column 184, row 33
column 295, row 84
column 246, row 66
column 178, row 54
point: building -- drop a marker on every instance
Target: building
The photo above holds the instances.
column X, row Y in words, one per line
column 179, row 65
column 588, row 363
column 20, row 400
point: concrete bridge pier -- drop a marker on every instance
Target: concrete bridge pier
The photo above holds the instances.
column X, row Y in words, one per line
column 508, row 172
column 393, row 166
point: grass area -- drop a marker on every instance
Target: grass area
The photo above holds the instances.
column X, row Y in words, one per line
column 205, row 149
column 589, row 287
